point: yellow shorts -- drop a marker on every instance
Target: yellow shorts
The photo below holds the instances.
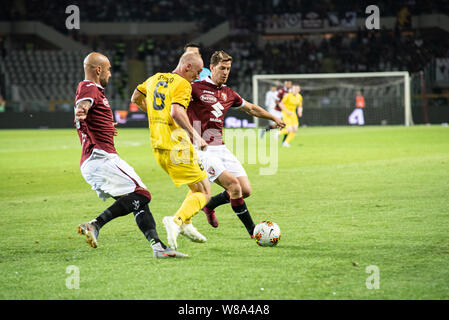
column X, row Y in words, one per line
column 290, row 120
column 182, row 166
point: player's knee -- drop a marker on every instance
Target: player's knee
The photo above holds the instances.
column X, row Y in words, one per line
column 246, row 192
column 234, row 189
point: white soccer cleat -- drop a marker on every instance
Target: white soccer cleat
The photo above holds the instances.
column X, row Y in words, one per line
column 285, row 144
column 189, row 231
column 173, row 231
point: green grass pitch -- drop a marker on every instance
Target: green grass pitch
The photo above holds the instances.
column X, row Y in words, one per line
column 345, row 198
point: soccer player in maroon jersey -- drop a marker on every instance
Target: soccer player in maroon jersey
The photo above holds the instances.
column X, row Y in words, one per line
column 210, row 101
column 101, row 166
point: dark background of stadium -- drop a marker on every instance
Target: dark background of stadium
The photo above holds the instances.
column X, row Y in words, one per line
column 41, row 59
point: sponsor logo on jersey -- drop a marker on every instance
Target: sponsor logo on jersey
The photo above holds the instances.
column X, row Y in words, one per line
column 224, row 96
column 208, row 98
column 207, row 91
column 106, row 102
column 217, row 112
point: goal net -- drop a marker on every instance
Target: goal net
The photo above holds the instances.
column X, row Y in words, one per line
column 330, row 99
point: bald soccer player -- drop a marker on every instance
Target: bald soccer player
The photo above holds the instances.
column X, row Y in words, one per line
column 195, row 48
column 165, row 97
column 102, row 168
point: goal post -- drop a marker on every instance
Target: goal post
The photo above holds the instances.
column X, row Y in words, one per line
column 329, row 98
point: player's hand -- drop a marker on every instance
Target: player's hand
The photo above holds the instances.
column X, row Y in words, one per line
column 289, row 113
column 115, row 129
column 279, row 123
column 202, row 144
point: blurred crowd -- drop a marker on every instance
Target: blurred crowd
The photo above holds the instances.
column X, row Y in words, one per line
column 206, row 13
column 357, row 51
column 367, row 51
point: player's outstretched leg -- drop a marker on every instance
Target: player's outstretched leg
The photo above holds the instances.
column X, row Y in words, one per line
column 121, row 207
column 239, row 205
column 198, row 196
column 240, row 209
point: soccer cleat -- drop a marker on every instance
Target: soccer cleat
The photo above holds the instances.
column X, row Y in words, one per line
column 189, row 231
column 168, row 253
column 285, row 144
column 173, row 231
column 90, row 230
column 211, row 218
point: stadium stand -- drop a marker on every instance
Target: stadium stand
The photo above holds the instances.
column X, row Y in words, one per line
column 260, row 39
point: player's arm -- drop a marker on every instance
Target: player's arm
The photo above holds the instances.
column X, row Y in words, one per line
column 299, row 109
column 139, row 99
column 179, row 114
column 283, row 107
column 82, row 108
column 260, row 112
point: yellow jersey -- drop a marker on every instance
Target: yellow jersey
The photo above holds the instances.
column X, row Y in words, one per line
column 291, row 101
column 161, row 91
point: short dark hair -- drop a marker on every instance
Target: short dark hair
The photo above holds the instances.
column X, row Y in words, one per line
column 192, row 45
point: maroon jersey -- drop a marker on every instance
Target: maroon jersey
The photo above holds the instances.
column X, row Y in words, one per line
column 281, row 93
column 208, row 106
column 97, row 130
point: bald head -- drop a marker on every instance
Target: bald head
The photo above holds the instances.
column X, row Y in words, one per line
column 190, row 66
column 97, row 68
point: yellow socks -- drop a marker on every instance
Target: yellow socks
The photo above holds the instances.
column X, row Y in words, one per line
column 290, row 137
column 193, row 203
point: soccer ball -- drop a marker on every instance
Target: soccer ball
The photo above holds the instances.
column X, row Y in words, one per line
column 267, row 234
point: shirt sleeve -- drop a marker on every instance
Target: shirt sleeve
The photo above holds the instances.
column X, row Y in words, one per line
column 87, row 91
column 300, row 101
column 182, row 93
column 238, row 100
column 142, row 88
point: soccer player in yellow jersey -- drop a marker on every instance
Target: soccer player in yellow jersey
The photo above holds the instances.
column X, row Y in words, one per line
column 165, row 97
column 291, row 106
